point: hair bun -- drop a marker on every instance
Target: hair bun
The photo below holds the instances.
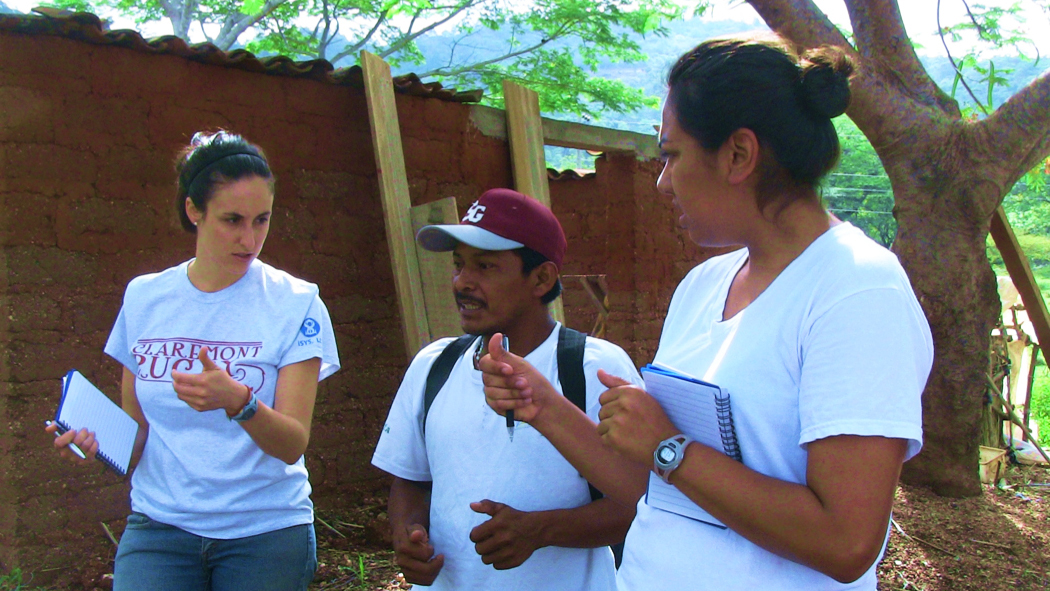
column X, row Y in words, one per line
column 824, row 81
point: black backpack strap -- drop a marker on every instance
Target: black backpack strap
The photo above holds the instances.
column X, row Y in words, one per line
column 441, row 369
column 571, row 344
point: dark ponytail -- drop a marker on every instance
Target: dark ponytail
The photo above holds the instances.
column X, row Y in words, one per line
column 760, row 84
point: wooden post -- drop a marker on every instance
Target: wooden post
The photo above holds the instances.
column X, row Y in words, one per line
column 393, row 190
column 528, row 163
column 1021, row 273
column 435, row 270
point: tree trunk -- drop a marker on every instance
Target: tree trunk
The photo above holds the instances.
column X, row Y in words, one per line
column 948, row 177
column 945, row 259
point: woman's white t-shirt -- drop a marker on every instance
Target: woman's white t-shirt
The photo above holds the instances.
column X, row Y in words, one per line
column 200, row 471
column 836, row 345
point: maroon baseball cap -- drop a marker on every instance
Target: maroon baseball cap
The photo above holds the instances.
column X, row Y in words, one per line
column 501, row 219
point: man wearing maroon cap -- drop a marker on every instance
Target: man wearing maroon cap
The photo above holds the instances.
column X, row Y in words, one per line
column 470, row 507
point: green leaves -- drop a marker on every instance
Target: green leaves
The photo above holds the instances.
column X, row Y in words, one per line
column 553, row 46
column 987, row 29
column 252, row 6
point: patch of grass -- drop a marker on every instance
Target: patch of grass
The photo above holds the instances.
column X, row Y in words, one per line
column 1040, row 401
column 12, row 581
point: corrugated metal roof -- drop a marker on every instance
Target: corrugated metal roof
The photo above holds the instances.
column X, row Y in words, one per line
column 88, row 28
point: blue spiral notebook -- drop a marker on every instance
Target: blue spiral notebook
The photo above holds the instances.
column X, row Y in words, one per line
column 702, row 411
column 85, row 406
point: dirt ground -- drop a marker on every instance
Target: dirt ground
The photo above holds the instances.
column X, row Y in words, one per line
column 999, row 541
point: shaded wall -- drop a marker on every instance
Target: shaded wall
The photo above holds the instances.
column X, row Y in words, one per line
column 88, row 134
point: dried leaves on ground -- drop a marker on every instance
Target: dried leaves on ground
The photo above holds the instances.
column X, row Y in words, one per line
column 998, row 541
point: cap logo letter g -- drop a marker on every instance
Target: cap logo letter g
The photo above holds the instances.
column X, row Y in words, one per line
column 475, row 213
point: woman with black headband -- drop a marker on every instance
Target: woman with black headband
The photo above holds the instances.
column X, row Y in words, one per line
column 221, row 355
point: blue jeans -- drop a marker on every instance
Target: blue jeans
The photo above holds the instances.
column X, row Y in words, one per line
column 158, row 557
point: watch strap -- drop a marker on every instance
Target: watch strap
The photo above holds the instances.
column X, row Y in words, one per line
column 669, row 454
column 249, row 408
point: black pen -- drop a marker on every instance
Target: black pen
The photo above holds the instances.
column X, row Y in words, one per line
column 510, row 413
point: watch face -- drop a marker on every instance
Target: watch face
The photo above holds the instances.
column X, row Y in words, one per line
column 666, row 454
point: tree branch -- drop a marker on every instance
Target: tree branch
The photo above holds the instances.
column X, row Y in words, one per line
column 1019, row 130
column 480, row 65
column 948, row 52
column 179, row 13
column 879, row 34
column 234, row 26
column 406, row 39
column 327, row 34
column 352, row 49
column 801, row 22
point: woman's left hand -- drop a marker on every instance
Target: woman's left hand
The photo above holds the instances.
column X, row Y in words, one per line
column 631, row 421
column 210, row 389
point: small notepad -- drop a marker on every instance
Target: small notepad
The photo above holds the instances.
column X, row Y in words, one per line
column 702, row 411
column 83, row 406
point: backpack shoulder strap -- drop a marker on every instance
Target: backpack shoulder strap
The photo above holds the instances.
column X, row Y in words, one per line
column 441, row 369
column 571, row 344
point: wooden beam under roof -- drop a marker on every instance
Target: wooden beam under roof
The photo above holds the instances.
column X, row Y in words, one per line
column 492, row 122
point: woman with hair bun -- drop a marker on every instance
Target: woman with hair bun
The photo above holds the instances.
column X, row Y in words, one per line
column 221, row 355
column 811, row 327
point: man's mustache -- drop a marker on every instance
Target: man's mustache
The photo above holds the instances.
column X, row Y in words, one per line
column 462, row 298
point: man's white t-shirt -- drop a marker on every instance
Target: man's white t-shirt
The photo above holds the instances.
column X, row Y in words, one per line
column 836, row 345
column 200, row 471
column 469, row 457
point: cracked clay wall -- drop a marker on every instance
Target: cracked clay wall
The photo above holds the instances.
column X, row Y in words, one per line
column 88, row 134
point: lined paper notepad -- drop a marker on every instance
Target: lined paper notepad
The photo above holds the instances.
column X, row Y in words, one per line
column 702, row 411
column 83, row 406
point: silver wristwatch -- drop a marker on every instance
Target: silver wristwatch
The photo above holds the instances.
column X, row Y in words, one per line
column 669, row 455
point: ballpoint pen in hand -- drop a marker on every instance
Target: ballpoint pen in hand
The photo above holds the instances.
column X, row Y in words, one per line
column 59, row 430
column 510, row 413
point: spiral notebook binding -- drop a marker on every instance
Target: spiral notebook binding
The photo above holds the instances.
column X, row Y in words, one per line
column 108, row 461
column 726, row 428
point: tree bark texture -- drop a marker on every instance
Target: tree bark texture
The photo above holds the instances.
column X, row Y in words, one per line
column 948, row 176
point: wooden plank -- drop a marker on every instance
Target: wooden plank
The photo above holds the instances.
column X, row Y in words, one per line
column 393, row 191
column 492, row 122
column 1021, row 273
column 525, row 136
column 435, row 270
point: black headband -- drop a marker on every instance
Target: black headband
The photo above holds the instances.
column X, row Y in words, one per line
column 220, row 159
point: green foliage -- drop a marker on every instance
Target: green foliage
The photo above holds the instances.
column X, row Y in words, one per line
column 13, row 582
column 859, row 191
column 1039, row 403
column 554, row 47
column 987, row 29
column 562, row 159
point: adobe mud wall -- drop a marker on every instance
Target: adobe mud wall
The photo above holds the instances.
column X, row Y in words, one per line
column 87, row 138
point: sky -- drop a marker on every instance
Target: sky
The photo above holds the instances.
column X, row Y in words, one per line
column 920, row 18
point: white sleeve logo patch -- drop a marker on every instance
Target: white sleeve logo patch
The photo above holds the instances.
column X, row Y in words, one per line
column 474, row 214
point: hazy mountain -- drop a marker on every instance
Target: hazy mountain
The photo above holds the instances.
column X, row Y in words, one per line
column 683, row 35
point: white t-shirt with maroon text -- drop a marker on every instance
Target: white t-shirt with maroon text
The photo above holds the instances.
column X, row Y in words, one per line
column 200, row 471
